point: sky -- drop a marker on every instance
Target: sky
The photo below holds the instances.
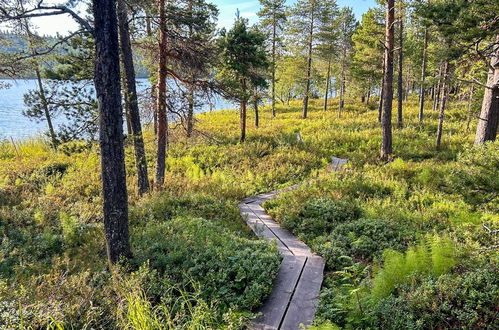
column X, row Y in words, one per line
column 227, row 8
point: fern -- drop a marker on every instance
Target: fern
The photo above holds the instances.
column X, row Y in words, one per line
column 399, row 269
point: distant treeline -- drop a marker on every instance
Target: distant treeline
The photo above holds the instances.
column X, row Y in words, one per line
column 14, row 43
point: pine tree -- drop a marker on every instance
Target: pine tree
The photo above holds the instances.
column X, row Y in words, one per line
column 367, row 68
column 347, row 25
column 273, row 17
column 305, row 24
column 242, row 60
column 386, row 118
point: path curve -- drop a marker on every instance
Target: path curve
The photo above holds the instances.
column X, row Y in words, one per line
column 294, row 297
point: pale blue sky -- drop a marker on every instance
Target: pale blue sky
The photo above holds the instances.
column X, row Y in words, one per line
column 247, row 8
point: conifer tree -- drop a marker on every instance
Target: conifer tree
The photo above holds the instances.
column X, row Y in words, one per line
column 242, row 59
column 273, row 17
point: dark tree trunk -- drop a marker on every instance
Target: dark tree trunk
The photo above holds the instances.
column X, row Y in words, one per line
column 342, row 84
column 381, row 92
column 309, row 67
column 190, row 95
column 443, row 101
column 386, row 118
column 470, row 107
column 257, row 118
column 107, row 87
column 368, row 98
column 162, row 136
column 242, row 113
column 400, row 88
column 423, row 76
column 190, row 112
column 436, row 100
column 131, row 101
column 328, row 78
column 489, row 115
column 153, row 87
column 274, row 36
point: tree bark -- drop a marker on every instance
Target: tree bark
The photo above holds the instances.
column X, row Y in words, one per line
column 423, row 76
column 436, row 100
column 242, row 114
column 309, row 66
column 400, row 88
column 162, row 136
column 381, row 92
column 342, row 86
column 190, row 112
column 41, row 92
column 470, row 107
column 108, row 90
column 255, row 105
column 328, row 78
column 131, row 101
column 190, row 95
column 368, row 98
column 45, row 107
column 489, row 115
column 386, row 118
column 274, row 36
column 443, row 101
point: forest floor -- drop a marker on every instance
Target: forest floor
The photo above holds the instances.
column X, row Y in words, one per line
column 408, row 244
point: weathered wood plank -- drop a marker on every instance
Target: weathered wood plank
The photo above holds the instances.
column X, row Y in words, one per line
column 275, row 306
column 303, row 304
column 296, row 288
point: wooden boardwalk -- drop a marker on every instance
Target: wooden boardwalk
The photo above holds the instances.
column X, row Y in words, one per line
column 293, row 300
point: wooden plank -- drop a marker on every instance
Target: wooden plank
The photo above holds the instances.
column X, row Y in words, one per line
column 303, row 304
column 276, row 305
column 261, row 230
column 295, row 245
column 296, row 288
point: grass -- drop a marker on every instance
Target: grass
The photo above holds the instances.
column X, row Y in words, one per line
column 197, row 265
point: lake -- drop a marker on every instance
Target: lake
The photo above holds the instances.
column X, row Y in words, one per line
column 13, row 124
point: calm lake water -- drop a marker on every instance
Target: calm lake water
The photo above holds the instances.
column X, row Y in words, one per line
column 13, row 124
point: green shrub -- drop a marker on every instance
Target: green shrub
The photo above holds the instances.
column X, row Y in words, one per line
column 467, row 301
column 320, row 215
column 363, row 239
column 475, row 176
column 236, row 272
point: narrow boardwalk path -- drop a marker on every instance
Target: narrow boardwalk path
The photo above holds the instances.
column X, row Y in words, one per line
column 293, row 300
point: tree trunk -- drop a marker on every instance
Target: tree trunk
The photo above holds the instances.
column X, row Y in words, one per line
column 41, row 92
column 443, row 101
column 274, row 36
column 342, row 84
column 45, row 106
column 386, row 118
column 131, row 101
column 328, row 78
column 489, row 115
column 190, row 112
column 162, row 136
column 309, row 67
column 153, row 87
column 255, row 105
column 381, row 92
column 368, row 94
column 107, row 87
column 400, row 88
column 190, row 95
column 436, row 100
column 470, row 107
column 423, row 76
